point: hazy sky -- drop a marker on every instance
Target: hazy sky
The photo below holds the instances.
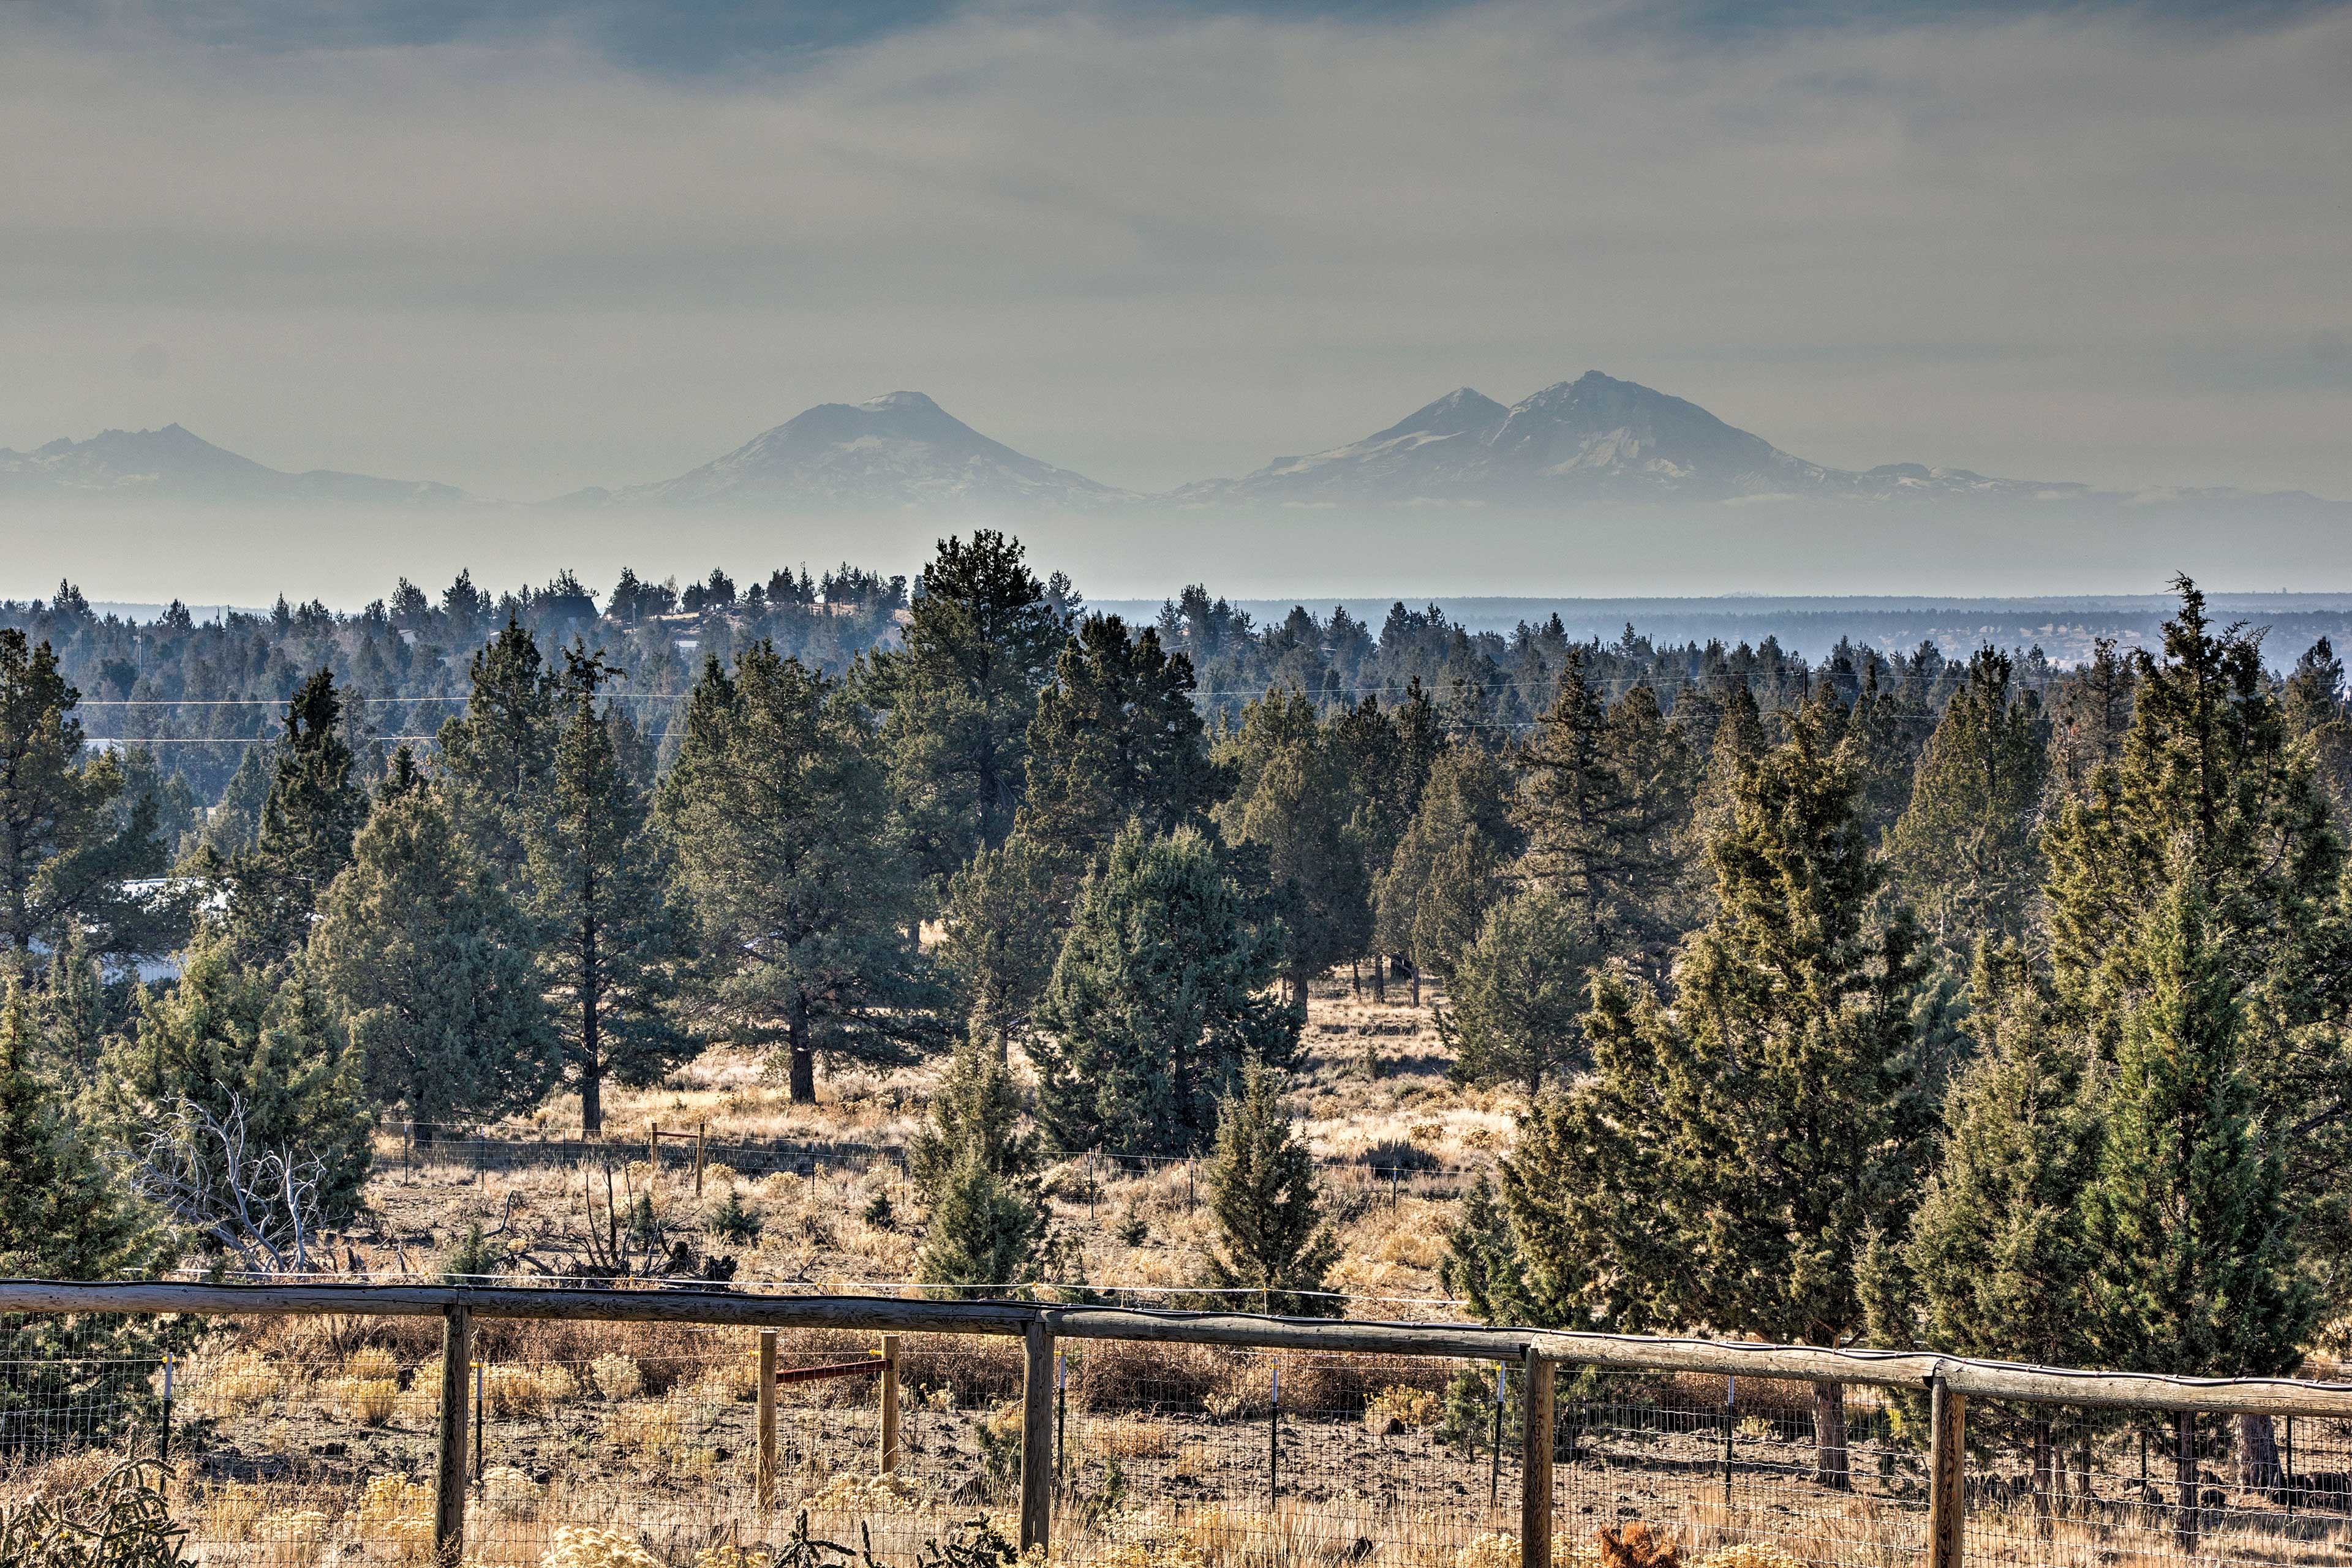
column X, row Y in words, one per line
column 523, row 246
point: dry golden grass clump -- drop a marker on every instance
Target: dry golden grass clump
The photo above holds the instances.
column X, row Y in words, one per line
column 526, row 1390
column 581, row 1546
column 653, row 1427
column 369, row 1401
column 238, row 1384
column 618, row 1376
column 396, row 1514
column 848, row 1492
column 291, row 1539
column 1751, row 1554
column 1400, row 1408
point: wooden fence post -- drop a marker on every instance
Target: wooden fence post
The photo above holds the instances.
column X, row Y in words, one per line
column 449, row 1467
column 1946, row 1457
column 1038, row 1438
column 700, row 1128
column 890, row 1404
column 1535, row 1461
column 765, row 1480
column 653, row 1148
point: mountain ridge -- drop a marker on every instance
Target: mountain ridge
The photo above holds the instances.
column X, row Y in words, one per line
column 177, row 464
column 1593, row 439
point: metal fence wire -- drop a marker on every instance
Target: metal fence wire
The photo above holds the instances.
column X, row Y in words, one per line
column 621, row 1430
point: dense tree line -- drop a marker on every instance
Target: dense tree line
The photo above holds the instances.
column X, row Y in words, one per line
column 1968, row 1001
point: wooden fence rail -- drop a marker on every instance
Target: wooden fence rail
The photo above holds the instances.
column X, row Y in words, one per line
column 1950, row 1382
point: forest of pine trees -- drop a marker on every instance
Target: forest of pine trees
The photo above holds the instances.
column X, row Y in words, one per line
column 1963, row 1001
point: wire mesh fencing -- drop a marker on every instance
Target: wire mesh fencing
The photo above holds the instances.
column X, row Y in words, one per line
column 316, row 1440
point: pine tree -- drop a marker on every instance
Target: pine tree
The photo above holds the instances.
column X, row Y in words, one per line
column 2090, row 717
column 1154, row 1004
column 66, row 842
column 432, row 965
column 982, row 638
column 1733, row 1155
column 1964, row 848
column 1000, row 940
column 497, row 759
column 1293, row 804
column 1271, row 1239
column 304, row 840
column 1460, row 836
column 1602, row 794
column 612, row 938
column 780, row 817
column 1116, row 738
column 1519, row 994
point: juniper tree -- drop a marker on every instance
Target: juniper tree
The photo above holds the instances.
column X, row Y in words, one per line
column 69, row 835
column 433, row 966
column 779, row 814
column 975, row 1114
column 260, row 1048
column 1964, row 848
column 1154, row 1004
column 1734, row 1150
column 2311, row 701
column 2195, row 1267
column 1271, row 1238
column 984, row 1230
column 304, row 837
column 1518, row 994
column 1996, row 1262
column 612, row 938
column 62, row 1216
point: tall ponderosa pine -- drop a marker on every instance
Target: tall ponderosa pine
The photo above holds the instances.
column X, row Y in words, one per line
column 66, row 844
column 612, row 937
column 1964, row 848
column 1603, row 794
column 1154, row 1004
column 1446, row 869
column 780, row 817
column 1271, row 1239
column 1518, row 994
column 1292, row 805
column 1116, row 738
column 498, row 758
column 432, row 965
column 1000, row 940
column 1733, row 1154
column 982, row 638
column 304, row 840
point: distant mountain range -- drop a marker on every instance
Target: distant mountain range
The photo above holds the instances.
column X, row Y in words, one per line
column 894, row 453
column 173, row 465
column 1595, row 438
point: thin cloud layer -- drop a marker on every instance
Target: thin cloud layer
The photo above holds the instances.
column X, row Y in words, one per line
column 506, row 251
